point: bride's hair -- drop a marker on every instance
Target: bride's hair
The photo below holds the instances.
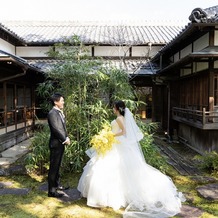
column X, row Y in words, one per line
column 120, row 106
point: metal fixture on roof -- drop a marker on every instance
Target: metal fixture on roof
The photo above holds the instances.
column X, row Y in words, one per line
column 208, row 15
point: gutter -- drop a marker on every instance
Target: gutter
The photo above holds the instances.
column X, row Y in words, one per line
column 15, row 76
column 17, row 60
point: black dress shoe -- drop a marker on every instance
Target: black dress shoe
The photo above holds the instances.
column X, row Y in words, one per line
column 55, row 194
column 62, row 188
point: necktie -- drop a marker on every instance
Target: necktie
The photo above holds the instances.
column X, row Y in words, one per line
column 62, row 116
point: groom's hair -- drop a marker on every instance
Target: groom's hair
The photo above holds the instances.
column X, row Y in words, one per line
column 56, row 97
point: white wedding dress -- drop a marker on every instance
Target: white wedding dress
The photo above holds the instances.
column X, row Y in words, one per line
column 122, row 179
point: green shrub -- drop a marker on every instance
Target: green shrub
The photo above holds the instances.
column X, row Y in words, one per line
column 37, row 160
column 150, row 150
column 208, row 162
column 89, row 88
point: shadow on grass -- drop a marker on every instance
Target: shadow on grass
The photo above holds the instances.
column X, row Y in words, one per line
column 36, row 204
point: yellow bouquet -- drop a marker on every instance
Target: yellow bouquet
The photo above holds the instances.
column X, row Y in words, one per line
column 103, row 141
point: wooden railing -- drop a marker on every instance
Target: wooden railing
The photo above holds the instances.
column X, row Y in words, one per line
column 16, row 116
column 200, row 119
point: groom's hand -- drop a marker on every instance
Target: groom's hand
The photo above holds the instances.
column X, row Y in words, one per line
column 67, row 141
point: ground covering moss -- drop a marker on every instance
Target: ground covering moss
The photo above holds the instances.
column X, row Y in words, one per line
column 36, row 204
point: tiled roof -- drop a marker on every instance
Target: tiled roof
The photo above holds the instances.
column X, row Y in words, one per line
column 131, row 66
column 50, row 32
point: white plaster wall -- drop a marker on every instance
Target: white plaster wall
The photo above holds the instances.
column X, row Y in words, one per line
column 186, row 51
column 2, row 131
column 216, row 38
column 176, row 57
column 20, row 125
column 11, row 128
column 32, row 51
column 137, row 51
column 201, row 43
column 198, row 66
column 88, row 50
column 7, row 47
column 185, row 72
column 111, row 51
column 198, row 45
column 145, row 51
column 215, row 64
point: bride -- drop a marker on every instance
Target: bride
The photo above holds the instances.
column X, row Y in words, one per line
column 122, row 178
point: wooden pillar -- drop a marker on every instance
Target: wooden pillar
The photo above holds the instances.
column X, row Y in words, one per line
column 5, row 103
column 211, row 74
column 211, row 86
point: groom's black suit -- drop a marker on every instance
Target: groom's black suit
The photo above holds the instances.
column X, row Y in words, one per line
column 58, row 136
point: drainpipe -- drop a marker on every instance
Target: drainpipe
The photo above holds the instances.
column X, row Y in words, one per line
column 15, row 76
column 168, row 113
column 161, row 61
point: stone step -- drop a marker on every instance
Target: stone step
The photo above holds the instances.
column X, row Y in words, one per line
column 182, row 164
column 12, row 154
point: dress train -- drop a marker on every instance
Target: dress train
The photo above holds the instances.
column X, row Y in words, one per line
column 122, row 179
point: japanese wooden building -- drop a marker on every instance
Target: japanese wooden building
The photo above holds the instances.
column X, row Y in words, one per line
column 18, row 79
column 176, row 65
column 24, row 46
column 185, row 97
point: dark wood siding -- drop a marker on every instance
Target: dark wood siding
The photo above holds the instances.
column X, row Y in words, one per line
column 194, row 92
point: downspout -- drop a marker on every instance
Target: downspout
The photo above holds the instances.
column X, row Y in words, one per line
column 15, row 76
column 168, row 103
column 160, row 61
column 168, row 113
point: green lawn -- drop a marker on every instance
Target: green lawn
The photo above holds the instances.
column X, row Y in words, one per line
column 37, row 205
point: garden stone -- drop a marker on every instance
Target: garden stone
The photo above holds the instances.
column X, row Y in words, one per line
column 209, row 192
column 203, row 179
column 3, row 172
column 43, row 187
column 17, row 150
column 17, row 170
column 14, row 191
column 5, row 184
column 12, row 154
column 189, row 197
column 70, row 195
column 190, row 212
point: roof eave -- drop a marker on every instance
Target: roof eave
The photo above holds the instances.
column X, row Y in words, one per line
column 18, row 61
column 188, row 30
column 187, row 60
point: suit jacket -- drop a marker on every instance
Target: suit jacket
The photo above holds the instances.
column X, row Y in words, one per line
column 57, row 128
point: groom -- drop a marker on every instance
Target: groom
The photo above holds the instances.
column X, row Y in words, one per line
column 57, row 142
